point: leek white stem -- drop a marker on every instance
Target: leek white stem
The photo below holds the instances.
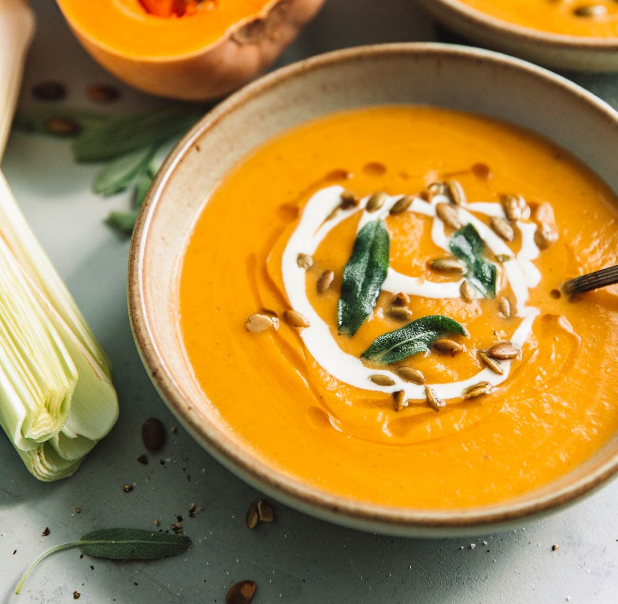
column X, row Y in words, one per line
column 57, row 399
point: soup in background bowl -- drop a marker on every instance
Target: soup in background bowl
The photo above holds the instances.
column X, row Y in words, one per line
column 347, row 286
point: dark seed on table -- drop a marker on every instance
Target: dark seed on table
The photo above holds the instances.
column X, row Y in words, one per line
column 45, row 532
column 103, row 93
column 62, row 126
column 241, row 592
column 127, row 488
column 76, row 595
column 143, row 460
column 153, row 434
column 253, row 517
column 49, row 91
column 265, row 511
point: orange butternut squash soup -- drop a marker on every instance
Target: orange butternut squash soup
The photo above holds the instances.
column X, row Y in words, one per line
column 371, row 303
column 586, row 18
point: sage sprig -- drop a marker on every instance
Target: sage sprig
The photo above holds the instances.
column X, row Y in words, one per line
column 467, row 245
column 363, row 276
column 413, row 338
column 119, row 544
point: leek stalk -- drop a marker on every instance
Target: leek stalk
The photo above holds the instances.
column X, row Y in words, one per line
column 57, row 399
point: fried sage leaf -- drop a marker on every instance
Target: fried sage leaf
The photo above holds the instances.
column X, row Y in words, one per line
column 412, row 339
column 467, row 245
column 119, row 544
column 363, row 276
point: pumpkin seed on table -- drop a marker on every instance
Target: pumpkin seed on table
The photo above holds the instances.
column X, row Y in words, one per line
column 241, row 592
column 325, row 281
column 433, row 400
column 49, row 91
column 401, row 205
column 456, row 192
column 265, row 511
column 515, row 207
column 153, row 434
column 504, row 351
column 447, row 346
column 259, row 322
column 103, row 93
column 294, row 319
column 400, row 400
column 447, row 265
column 62, row 126
column 449, row 215
column 491, row 363
column 409, row 374
column 502, row 228
column 400, row 313
column 477, row 390
column 376, row 201
column 382, row 380
column 304, row 261
column 253, row 517
column 468, row 293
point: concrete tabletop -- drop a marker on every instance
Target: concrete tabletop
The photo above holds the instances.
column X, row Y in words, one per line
column 297, row 559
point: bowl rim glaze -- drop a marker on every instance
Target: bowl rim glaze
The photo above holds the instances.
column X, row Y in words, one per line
column 523, row 33
column 322, row 504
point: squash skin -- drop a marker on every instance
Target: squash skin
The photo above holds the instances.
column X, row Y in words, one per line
column 241, row 53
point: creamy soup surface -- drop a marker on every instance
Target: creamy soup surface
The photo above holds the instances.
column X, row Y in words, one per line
column 371, row 303
column 586, row 18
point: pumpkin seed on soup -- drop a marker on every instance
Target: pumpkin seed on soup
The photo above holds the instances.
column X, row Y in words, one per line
column 400, row 313
column 400, row 299
column 456, row 192
column 325, row 281
column 446, row 346
column 447, row 265
column 400, row 400
column 449, row 215
column 376, row 201
column 258, row 322
column 491, row 363
column 294, row 319
column 515, row 207
column 468, row 293
column 382, row 380
column 304, row 261
column 477, row 390
column 433, row 400
column 545, row 236
column 401, row 205
column 349, row 200
column 409, row 374
column 502, row 228
column 504, row 351
column 504, row 306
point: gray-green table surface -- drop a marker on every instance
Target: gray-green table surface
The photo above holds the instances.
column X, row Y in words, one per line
column 297, row 559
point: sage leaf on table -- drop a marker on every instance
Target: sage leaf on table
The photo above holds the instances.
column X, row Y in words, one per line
column 413, row 338
column 467, row 245
column 122, row 172
column 363, row 276
column 119, row 544
column 39, row 120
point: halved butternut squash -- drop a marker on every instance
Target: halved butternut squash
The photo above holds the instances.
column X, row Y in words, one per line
column 187, row 49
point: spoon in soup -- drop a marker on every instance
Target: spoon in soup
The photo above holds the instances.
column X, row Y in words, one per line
column 586, row 283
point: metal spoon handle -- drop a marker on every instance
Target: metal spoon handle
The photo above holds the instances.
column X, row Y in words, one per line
column 586, row 283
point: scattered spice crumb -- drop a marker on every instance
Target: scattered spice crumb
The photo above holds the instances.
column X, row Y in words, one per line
column 174, row 430
column 156, row 523
column 14, row 552
column 143, row 460
column 128, row 488
column 45, row 532
column 78, row 510
column 162, row 462
column 554, row 548
column 81, row 556
column 91, row 567
column 76, row 595
column 472, row 545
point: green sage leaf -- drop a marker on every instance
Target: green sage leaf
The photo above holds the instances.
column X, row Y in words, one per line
column 413, row 338
column 121, row 135
column 123, row 222
column 120, row 173
column 40, row 120
column 363, row 276
column 467, row 245
column 119, row 544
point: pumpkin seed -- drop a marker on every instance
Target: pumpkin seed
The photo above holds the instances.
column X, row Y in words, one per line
column 504, row 351
column 241, row 593
column 265, row 511
column 382, row 380
column 400, row 313
column 594, row 10
column 103, row 93
column 376, row 201
column 400, row 400
column 468, row 293
column 456, row 192
column 253, row 517
column 304, row 261
column 434, row 189
column 502, row 228
column 447, row 346
column 49, row 91
column 401, row 205
column 325, row 281
column 294, row 319
column 433, row 400
column 449, row 215
column 515, row 207
column 273, row 315
column 409, row 374
column 349, row 200
column 504, row 258
column 153, row 434
column 400, row 299
column 62, row 126
column 504, row 306
column 491, row 363
column 258, row 322
column 447, row 265
column 545, row 236
column 477, row 390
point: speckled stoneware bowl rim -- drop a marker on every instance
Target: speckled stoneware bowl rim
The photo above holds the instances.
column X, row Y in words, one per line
column 384, row 519
column 528, row 34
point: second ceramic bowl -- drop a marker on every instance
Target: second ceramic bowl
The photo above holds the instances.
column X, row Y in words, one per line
column 430, row 74
column 553, row 50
